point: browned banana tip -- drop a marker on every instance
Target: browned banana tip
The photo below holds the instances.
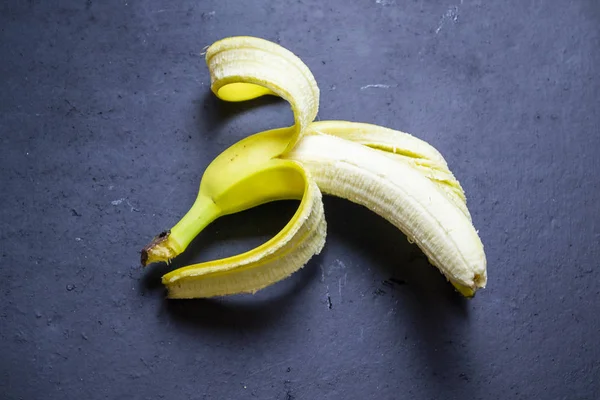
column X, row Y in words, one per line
column 161, row 237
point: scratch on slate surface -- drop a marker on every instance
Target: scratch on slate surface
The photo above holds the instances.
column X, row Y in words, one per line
column 377, row 86
column 450, row 14
column 126, row 201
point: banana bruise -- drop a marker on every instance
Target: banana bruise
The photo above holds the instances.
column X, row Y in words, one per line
column 398, row 176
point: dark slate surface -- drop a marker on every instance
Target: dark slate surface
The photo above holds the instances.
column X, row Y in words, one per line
column 107, row 123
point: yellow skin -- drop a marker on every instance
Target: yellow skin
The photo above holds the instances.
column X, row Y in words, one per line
column 264, row 167
column 246, row 175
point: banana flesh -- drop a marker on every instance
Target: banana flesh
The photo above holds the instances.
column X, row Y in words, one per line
column 396, row 175
column 402, row 147
column 402, row 195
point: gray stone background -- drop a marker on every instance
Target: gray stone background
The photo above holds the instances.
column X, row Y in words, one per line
column 107, row 123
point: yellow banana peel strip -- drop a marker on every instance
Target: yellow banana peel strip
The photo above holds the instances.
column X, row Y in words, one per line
column 244, row 68
column 395, row 174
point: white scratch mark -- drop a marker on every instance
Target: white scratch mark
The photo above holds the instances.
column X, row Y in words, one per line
column 385, row 2
column 322, row 273
column 132, row 208
column 377, row 86
column 450, row 14
column 203, row 52
column 162, row 10
column 340, row 288
column 126, row 201
column 345, row 278
column 78, row 239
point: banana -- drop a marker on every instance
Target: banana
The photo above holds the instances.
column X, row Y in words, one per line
column 396, row 175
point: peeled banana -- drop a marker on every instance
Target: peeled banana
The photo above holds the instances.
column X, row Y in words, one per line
column 396, row 175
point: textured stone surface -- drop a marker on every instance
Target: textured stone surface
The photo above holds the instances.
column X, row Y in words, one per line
column 107, row 122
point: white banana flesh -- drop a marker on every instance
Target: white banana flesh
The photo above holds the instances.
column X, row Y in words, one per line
column 403, row 147
column 402, row 195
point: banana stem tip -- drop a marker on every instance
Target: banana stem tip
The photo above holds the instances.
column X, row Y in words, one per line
column 152, row 249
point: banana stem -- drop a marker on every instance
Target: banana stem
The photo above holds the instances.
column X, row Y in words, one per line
column 170, row 244
column 203, row 212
